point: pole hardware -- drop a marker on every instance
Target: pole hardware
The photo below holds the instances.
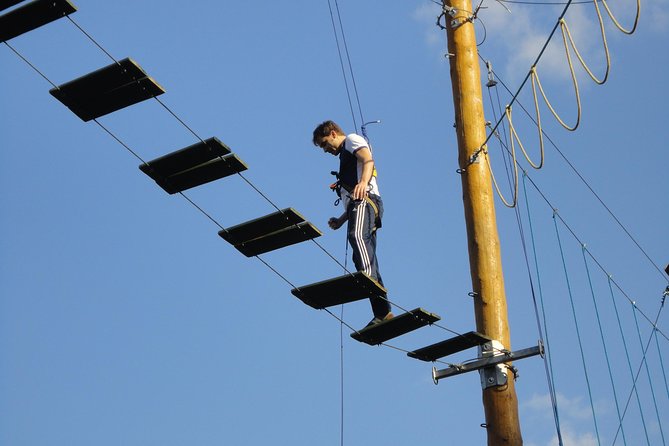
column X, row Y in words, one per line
column 491, row 76
column 491, row 357
column 446, row 10
column 494, row 376
column 364, row 128
column 474, row 159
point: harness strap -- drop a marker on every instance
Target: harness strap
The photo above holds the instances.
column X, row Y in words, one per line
column 339, row 185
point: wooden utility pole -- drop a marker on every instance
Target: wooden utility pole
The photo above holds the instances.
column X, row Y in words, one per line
column 485, row 263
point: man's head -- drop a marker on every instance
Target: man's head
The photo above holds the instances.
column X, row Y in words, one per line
column 329, row 137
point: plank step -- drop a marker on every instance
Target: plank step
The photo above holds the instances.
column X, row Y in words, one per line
column 107, row 90
column 193, row 166
column 277, row 230
column 397, row 326
column 31, row 16
column 449, row 346
column 340, row 290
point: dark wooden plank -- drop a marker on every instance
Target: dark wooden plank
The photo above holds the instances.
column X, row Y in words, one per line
column 205, row 173
column 129, row 94
column 107, row 90
column 449, row 346
column 31, row 16
column 279, row 239
column 103, row 79
column 186, row 158
column 4, row 4
column 262, row 226
column 397, row 326
column 340, row 290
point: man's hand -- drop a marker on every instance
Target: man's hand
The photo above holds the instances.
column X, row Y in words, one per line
column 335, row 223
column 360, row 191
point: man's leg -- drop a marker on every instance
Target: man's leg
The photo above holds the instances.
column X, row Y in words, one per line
column 362, row 238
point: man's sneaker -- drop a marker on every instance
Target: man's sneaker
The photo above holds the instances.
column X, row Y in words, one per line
column 377, row 320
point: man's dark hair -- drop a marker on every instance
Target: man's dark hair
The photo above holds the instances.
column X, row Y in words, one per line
column 324, row 129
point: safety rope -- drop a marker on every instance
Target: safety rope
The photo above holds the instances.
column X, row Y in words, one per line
column 578, row 331
column 576, row 172
column 341, row 62
column 601, row 335
column 597, row 262
column 533, row 75
column 644, row 362
column 629, row 365
column 659, row 355
column 355, row 125
column 543, row 333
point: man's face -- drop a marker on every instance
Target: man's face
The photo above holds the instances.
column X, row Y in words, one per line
column 329, row 145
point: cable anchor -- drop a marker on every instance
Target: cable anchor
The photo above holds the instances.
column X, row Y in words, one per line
column 446, row 10
column 474, row 158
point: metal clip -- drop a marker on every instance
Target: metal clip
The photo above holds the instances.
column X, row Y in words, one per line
column 491, row 76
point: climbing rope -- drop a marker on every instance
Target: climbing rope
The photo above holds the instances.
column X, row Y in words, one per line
column 578, row 331
column 659, row 355
column 533, row 75
column 573, row 168
column 543, row 331
column 525, row 176
column 629, row 365
column 644, row 362
column 603, row 340
column 341, row 62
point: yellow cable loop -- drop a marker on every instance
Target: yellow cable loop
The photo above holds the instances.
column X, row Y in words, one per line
column 636, row 18
column 515, row 166
column 576, row 90
column 606, row 48
column 541, row 133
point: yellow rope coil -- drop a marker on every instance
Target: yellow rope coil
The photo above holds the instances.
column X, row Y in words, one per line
column 568, row 41
column 615, row 21
column 565, row 30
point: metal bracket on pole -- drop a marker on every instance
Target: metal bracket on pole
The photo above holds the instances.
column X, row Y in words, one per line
column 493, row 359
column 495, row 375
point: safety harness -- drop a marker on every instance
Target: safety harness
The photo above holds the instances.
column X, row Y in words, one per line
column 338, row 185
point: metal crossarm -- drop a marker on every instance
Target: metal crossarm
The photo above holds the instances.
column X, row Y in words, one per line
column 489, row 361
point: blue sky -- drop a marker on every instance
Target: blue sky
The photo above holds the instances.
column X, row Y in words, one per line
column 125, row 319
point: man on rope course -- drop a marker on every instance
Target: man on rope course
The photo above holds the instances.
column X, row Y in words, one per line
column 363, row 209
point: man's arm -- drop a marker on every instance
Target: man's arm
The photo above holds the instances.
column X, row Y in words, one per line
column 364, row 155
